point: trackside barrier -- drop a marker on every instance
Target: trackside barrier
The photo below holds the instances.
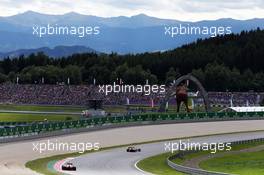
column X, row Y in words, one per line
column 20, row 130
column 197, row 171
column 189, row 170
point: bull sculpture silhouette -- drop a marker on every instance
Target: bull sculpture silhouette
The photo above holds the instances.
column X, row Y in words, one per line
column 182, row 96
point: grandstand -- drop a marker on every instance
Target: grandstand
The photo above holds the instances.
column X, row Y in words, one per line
column 45, row 94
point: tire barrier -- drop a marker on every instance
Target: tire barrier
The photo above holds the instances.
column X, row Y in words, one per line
column 15, row 130
column 196, row 171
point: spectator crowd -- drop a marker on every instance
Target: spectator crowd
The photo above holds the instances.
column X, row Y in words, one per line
column 80, row 94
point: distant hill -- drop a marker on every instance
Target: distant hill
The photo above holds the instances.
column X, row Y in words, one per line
column 135, row 34
column 56, row 52
column 225, row 63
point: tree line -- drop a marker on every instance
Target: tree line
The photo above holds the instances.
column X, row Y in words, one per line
column 232, row 62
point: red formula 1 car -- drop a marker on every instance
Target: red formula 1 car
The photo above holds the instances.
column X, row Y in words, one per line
column 133, row 149
column 68, row 167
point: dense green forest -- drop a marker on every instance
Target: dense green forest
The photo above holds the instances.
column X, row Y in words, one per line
column 233, row 62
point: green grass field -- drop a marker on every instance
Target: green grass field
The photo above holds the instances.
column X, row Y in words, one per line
column 41, row 108
column 14, row 117
column 118, row 108
column 200, row 153
column 22, row 117
column 49, row 108
column 157, row 165
column 244, row 163
column 251, row 163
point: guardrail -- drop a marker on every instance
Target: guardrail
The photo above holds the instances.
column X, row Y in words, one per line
column 189, row 170
column 151, row 118
column 197, row 171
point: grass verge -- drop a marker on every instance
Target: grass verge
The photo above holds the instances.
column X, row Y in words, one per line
column 244, row 163
column 54, row 108
column 19, row 117
column 157, row 165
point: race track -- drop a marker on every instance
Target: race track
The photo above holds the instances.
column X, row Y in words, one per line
column 15, row 155
column 119, row 162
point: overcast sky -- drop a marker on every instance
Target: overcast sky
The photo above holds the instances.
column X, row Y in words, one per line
column 191, row 10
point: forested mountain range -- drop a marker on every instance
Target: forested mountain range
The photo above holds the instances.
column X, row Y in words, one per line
column 233, row 62
column 136, row 34
column 58, row 51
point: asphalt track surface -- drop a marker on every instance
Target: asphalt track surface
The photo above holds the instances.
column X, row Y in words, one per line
column 119, row 162
column 13, row 156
